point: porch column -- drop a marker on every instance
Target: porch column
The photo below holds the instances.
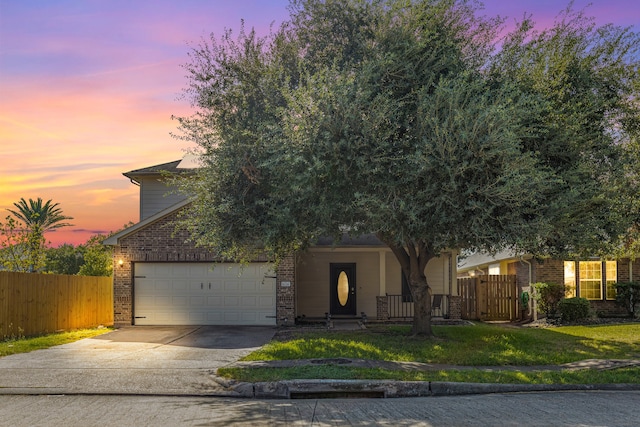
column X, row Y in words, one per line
column 286, row 291
column 383, row 272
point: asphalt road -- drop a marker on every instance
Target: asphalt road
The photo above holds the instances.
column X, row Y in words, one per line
column 595, row 408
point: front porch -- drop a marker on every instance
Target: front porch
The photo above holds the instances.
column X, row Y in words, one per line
column 366, row 283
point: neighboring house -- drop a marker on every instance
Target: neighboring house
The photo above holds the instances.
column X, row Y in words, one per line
column 162, row 279
column 593, row 278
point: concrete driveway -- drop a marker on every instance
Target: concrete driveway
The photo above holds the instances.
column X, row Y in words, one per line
column 134, row 360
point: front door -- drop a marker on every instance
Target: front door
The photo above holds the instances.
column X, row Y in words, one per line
column 343, row 289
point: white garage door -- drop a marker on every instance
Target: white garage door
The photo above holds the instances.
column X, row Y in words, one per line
column 204, row 294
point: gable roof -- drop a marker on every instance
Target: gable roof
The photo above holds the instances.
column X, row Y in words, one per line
column 170, row 167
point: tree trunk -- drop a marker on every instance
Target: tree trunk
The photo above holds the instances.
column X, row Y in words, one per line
column 421, row 308
column 413, row 258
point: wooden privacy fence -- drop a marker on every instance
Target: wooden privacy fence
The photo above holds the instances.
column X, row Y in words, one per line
column 491, row 297
column 33, row 304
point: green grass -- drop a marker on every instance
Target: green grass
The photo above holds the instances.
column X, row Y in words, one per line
column 618, row 376
column 25, row 345
column 479, row 345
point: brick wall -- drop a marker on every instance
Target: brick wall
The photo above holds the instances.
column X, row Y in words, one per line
column 455, row 307
column 286, row 292
column 623, row 270
column 548, row 271
column 607, row 308
column 382, row 308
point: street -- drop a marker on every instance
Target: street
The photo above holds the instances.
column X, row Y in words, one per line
column 596, row 408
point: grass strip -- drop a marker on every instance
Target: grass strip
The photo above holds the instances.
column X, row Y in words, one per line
column 25, row 345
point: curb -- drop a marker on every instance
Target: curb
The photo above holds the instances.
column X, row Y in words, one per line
column 324, row 389
column 315, row 389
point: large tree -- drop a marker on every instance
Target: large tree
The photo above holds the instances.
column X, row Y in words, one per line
column 396, row 118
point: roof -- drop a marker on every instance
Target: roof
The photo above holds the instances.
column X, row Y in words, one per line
column 481, row 260
column 170, row 167
column 186, row 164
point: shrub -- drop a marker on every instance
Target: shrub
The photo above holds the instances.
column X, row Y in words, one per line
column 547, row 296
column 572, row 309
column 628, row 296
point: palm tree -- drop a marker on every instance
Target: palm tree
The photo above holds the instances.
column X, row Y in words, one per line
column 38, row 218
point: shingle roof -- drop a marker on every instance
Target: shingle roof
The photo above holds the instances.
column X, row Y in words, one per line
column 171, row 167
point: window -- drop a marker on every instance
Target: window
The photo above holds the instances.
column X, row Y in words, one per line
column 406, row 292
column 494, row 269
column 611, row 277
column 592, row 279
column 570, row 279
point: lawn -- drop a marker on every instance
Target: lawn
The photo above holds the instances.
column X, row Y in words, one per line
column 478, row 345
column 25, row 345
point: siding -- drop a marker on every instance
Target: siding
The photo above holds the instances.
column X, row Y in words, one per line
column 156, row 196
column 312, row 271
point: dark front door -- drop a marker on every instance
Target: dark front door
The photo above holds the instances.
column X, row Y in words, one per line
column 343, row 289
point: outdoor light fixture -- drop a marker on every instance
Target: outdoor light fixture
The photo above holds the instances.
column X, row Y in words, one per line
column 120, row 262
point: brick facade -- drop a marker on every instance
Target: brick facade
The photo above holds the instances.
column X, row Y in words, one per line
column 548, row 271
column 552, row 271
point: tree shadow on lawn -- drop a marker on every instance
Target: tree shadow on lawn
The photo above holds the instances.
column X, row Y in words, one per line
column 478, row 345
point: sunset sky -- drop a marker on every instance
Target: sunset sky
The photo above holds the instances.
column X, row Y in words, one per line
column 88, row 87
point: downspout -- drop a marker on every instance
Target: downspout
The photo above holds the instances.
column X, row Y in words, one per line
column 532, row 300
column 451, row 279
column 630, row 270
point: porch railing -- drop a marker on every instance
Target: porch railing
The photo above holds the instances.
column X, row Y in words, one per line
column 399, row 308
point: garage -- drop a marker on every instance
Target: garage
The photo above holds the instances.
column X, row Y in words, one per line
column 198, row 293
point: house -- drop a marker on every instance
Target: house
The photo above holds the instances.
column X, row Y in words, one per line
column 592, row 278
column 162, row 279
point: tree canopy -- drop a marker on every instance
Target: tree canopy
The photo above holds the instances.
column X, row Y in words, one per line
column 399, row 118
